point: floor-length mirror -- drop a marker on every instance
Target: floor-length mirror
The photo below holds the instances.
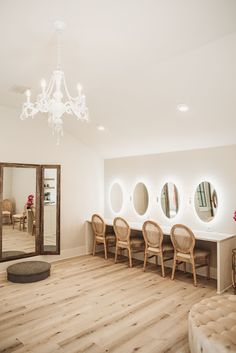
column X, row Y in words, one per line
column 19, row 208
column 51, row 209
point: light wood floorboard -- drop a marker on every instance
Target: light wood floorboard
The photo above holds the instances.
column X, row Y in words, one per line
column 92, row 305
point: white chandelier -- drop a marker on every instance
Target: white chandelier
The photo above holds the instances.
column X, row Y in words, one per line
column 50, row 100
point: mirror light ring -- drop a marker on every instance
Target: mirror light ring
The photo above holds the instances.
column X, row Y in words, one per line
column 211, row 221
column 118, row 182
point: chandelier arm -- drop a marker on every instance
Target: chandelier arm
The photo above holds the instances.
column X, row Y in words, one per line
column 49, row 87
column 70, row 98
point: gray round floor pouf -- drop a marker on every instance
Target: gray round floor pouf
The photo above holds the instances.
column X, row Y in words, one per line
column 28, row 271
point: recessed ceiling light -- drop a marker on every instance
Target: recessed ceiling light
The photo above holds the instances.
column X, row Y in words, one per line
column 182, row 108
column 101, row 128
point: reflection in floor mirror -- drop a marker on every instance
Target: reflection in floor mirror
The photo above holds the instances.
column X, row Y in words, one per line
column 18, row 213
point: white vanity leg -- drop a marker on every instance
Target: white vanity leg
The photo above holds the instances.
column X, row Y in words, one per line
column 88, row 238
column 224, row 253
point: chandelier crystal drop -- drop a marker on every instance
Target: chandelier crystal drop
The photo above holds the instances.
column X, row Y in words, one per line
column 55, row 99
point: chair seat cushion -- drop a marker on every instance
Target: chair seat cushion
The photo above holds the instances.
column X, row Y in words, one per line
column 165, row 247
column 198, row 254
column 6, row 213
column 154, row 250
column 19, row 215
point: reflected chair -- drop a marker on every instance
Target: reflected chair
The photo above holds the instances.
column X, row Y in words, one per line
column 183, row 241
column 7, row 209
column 19, row 218
column 100, row 236
column 123, row 239
column 154, row 246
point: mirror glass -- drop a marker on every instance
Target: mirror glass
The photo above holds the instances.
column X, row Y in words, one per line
column 18, row 211
column 170, row 200
column 116, row 197
column 206, row 201
column 140, row 198
column 50, row 209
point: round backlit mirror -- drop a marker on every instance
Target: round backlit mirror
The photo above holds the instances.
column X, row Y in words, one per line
column 116, row 197
column 170, row 200
column 140, row 198
column 206, row 201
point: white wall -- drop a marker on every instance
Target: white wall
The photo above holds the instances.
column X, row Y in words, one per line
column 23, row 184
column 81, row 170
column 186, row 169
column 7, row 184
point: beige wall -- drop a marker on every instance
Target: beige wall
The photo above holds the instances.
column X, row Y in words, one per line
column 186, row 169
column 22, row 183
column 82, row 191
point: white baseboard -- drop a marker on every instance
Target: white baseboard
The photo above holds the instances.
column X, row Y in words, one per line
column 65, row 254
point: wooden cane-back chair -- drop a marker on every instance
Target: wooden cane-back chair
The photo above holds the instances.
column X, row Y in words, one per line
column 20, row 218
column 123, row 240
column 154, row 246
column 7, row 210
column 183, row 241
column 100, row 236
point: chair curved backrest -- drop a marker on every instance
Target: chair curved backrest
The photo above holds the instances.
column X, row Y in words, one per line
column 98, row 225
column 182, row 238
column 152, row 234
column 7, row 205
column 121, row 229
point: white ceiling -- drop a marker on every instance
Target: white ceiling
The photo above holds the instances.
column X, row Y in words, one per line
column 136, row 59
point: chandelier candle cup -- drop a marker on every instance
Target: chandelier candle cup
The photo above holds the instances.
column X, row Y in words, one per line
column 51, row 101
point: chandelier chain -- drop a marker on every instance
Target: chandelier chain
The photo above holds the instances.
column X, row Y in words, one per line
column 59, row 49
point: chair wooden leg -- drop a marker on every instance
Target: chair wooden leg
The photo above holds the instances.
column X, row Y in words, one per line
column 130, row 257
column 116, row 252
column 145, row 260
column 208, row 267
column 194, row 273
column 94, row 246
column 174, row 267
column 105, row 249
column 156, row 260
column 162, row 265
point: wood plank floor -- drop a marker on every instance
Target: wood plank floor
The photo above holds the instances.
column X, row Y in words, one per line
column 92, row 305
column 17, row 240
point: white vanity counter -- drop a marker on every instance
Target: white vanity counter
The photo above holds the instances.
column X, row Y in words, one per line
column 199, row 235
column 224, row 243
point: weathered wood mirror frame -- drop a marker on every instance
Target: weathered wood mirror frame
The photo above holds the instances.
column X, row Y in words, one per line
column 39, row 200
column 58, row 210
